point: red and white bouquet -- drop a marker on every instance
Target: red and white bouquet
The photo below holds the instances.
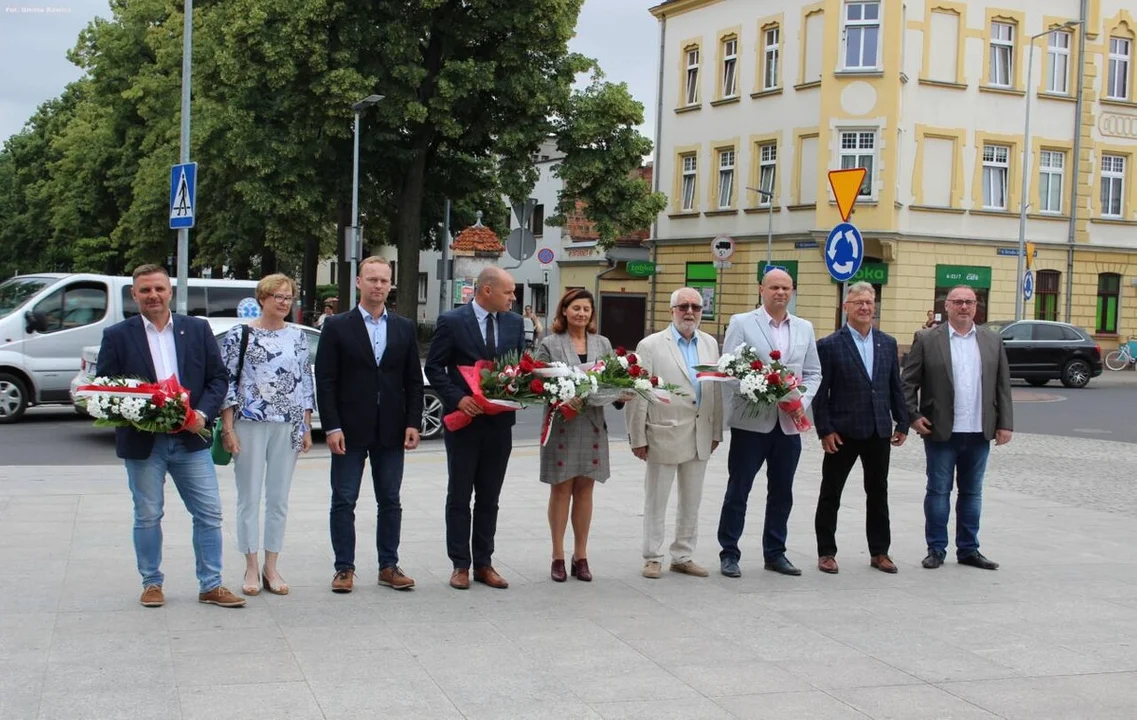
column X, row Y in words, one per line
column 620, row 373
column 162, row 407
column 559, row 385
column 761, row 383
column 502, row 385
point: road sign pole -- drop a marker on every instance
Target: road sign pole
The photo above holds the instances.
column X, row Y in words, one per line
column 354, row 230
column 183, row 234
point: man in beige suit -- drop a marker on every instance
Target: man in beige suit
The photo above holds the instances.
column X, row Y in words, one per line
column 957, row 386
column 676, row 438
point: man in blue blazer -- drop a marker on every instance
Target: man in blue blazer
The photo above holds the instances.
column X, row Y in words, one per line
column 478, row 454
column 860, row 412
column 153, row 346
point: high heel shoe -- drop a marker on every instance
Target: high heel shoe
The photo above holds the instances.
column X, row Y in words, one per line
column 250, row 589
column 281, row 589
column 558, row 571
column 580, row 569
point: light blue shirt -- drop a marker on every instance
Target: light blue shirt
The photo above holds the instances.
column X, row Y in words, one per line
column 864, row 347
column 377, row 330
column 689, row 349
column 481, row 314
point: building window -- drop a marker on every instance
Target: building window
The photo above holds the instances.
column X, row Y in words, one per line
column 1109, row 291
column 862, row 35
column 423, row 284
column 1058, row 63
column 770, row 55
column 996, row 167
column 726, row 178
column 1051, row 170
column 1117, row 84
column 1112, row 185
column 858, row 150
column 767, row 171
column 1002, row 54
column 537, row 221
column 692, row 76
column 1046, row 295
column 730, row 67
column 539, row 299
column 690, row 167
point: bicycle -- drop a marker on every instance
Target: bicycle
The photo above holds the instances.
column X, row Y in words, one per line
column 1124, row 356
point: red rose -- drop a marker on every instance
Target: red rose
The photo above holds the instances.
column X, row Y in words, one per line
column 634, row 370
column 654, row 381
column 775, row 354
column 537, row 387
column 526, row 364
column 756, row 365
column 621, row 352
column 632, row 359
column 774, row 378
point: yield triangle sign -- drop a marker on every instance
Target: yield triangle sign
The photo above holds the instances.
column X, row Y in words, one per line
column 846, row 186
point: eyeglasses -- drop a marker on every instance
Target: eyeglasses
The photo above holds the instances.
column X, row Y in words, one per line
column 282, row 298
column 962, row 303
column 687, row 307
column 861, row 303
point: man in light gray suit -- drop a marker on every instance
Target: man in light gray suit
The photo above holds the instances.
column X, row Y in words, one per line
column 676, row 438
column 957, row 386
column 769, row 436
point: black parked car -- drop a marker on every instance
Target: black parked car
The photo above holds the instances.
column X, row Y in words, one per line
column 1040, row 351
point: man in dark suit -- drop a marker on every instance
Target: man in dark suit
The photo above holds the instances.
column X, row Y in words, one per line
column 860, row 413
column 154, row 346
column 957, row 385
column 369, row 389
column 478, row 454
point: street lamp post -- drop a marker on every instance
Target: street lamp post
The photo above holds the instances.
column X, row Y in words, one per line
column 353, row 242
column 1019, row 300
column 769, row 197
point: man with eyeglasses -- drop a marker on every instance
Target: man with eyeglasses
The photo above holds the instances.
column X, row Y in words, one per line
column 768, row 437
column 676, row 439
column 860, row 413
column 957, row 386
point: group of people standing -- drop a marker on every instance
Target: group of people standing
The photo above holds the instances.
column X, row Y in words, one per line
column 954, row 390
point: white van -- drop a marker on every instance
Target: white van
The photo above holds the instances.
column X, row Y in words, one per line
column 46, row 320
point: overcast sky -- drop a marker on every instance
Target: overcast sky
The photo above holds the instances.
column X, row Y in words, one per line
column 35, row 36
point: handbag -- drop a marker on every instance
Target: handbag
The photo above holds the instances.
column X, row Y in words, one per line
column 217, row 450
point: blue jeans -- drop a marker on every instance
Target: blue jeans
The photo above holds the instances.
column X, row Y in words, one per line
column 387, row 479
column 748, row 452
column 196, row 481
column 964, row 456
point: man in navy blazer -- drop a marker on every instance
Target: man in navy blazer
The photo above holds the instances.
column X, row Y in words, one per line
column 153, row 346
column 369, row 388
column 478, row 454
column 860, row 412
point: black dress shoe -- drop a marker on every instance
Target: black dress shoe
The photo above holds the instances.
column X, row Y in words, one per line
column 933, row 560
column 782, row 565
column 977, row 560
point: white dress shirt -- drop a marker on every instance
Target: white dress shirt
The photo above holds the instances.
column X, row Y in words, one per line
column 163, row 350
column 966, row 372
column 779, row 332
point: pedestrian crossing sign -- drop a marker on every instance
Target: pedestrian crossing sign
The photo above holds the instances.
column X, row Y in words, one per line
column 183, row 193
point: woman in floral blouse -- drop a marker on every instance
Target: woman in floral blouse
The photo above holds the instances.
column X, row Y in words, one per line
column 266, row 423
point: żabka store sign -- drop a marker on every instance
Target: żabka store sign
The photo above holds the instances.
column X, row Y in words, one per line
column 1118, row 126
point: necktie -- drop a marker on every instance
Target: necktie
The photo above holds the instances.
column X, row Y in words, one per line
column 491, row 336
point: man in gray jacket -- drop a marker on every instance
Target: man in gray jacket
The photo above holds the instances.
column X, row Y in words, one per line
column 957, row 386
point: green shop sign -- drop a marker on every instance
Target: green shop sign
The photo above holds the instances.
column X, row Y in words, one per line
column 790, row 266
column 972, row 276
column 640, row 268
column 871, row 272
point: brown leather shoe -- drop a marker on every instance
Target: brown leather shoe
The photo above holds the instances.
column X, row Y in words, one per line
column 152, row 596
column 579, row 570
column 460, row 579
column 220, row 595
column 883, row 563
column 827, row 564
column 343, row 581
column 394, row 577
column 488, row 576
column 557, row 571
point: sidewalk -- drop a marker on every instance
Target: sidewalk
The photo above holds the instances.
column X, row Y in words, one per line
column 1052, row 634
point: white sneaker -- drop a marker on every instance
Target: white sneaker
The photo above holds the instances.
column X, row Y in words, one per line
column 653, row 569
column 689, row 567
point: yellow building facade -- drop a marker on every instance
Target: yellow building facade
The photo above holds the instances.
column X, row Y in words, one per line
column 761, row 98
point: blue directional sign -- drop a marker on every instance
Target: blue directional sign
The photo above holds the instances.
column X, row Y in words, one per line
column 183, row 194
column 1028, row 285
column 844, row 251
